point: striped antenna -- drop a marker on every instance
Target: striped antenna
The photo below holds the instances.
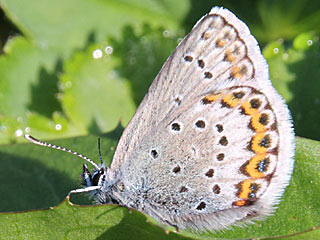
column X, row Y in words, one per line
column 38, row 142
column 99, row 149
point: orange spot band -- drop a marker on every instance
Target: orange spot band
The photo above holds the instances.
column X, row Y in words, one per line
column 231, row 100
column 248, row 109
column 212, row 97
column 256, row 140
column 236, row 72
column 255, row 122
column 229, row 56
column 251, row 168
column 220, row 43
column 240, row 203
column 245, row 189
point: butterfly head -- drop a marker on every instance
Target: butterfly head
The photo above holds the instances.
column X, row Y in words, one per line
column 96, row 183
column 94, row 179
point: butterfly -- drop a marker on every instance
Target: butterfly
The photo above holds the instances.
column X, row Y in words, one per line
column 211, row 144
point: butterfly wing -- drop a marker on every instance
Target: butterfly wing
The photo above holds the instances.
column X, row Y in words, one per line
column 211, row 120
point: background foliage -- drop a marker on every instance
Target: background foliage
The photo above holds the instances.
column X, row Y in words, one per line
column 52, row 87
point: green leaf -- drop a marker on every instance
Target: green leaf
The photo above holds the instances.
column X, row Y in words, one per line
column 44, row 177
column 311, row 234
column 24, row 70
column 28, row 84
column 304, row 40
column 294, row 73
column 300, row 16
column 66, row 25
column 141, row 55
column 273, row 49
column 10, row 128
column 68, row 221
column 94, row 95
column 54, row 33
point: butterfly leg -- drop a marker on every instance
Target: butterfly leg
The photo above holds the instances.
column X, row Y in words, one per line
column 175, row 226
column 84, row 190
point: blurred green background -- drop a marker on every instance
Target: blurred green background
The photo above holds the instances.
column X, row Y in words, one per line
column 53, row 87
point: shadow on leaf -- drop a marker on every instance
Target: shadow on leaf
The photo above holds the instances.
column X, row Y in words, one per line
column 28, row 184
column 142, row 55
column 137, row 227
column 43, row 95
column 305, row 105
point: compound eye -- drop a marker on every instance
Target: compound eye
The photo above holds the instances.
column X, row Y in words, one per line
column 96, row 176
